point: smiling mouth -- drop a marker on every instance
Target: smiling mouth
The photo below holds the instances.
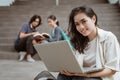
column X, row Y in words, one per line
column 83, row 31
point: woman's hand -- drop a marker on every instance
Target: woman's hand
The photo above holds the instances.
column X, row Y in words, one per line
column 67, row 73
column 23, row 35
column 103, row 73
column 33, row 33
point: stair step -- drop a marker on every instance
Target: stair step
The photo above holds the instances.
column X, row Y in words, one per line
column 109, row 23
column 13, row 55
column 7, row 47
column 45, row 11
column 8, row 55
column 63, row 2
column 69, row 7
column 28, row 7
column 9, row 28
column 7, row 40
column 79, row 1
column 34, row 2
column 44, row 18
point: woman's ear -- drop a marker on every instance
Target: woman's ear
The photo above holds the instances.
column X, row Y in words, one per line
column 94, row 18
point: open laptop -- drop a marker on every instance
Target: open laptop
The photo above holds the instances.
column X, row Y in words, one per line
column 59, row 56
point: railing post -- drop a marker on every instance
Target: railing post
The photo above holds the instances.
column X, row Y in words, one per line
column 119, row 2
column 57, row 2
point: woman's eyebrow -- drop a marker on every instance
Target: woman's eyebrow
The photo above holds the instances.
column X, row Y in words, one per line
column 83, row 19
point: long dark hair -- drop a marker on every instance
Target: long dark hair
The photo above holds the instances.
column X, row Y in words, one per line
column 79, row 41
column 34, row 17
column 53, row 18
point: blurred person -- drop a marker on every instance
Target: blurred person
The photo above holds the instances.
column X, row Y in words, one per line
column 56, row 32
column 25, row 40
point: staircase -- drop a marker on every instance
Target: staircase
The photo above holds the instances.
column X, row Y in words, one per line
column 13, row 17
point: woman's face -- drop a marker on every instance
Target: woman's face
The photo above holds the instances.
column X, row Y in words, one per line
column 51, row 22
column 84, row 24
column 35, row 23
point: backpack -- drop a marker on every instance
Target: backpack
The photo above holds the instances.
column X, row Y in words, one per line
column 66, row 37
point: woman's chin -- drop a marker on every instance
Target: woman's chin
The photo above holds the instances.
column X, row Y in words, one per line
column 85, row 34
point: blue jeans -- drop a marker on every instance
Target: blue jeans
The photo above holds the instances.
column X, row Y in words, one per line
column 64, row 77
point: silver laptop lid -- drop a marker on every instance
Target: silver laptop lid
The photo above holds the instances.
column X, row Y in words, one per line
column 58, row 56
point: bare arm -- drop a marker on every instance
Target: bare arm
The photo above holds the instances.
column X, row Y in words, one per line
column 23, row 35
column 103, row 73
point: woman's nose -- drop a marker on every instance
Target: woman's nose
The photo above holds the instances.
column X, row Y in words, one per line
column 80, row 26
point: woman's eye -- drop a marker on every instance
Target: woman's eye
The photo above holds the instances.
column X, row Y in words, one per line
column 76, row 24
column 83, row 22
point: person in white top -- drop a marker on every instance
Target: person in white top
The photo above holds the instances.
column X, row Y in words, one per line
column 101, row 48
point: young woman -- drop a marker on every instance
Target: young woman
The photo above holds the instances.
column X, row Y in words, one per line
column 56, row 32
column 100, row 47
column 25, row 40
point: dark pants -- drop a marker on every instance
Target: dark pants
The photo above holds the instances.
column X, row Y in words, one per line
column 64, row 77
column 26, row 45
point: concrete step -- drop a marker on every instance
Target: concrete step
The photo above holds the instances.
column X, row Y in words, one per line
column 15, row 28
column 81, row 1
column 20, row 8
column 37, row 2
column 13, row 23
column 52, row 2
column 46, row 13
column 109, row 22
column 13, row 34
column 14, row 70
column 7, row 40
column 25, row 16
column 35, row 7
column 10, row 33
column 7, row 47
column 42, row 12
column 9, row 28
column 46, row 28
column 7, row 55
column 13, row 20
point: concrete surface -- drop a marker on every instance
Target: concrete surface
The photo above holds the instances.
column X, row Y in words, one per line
column 15, row 70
